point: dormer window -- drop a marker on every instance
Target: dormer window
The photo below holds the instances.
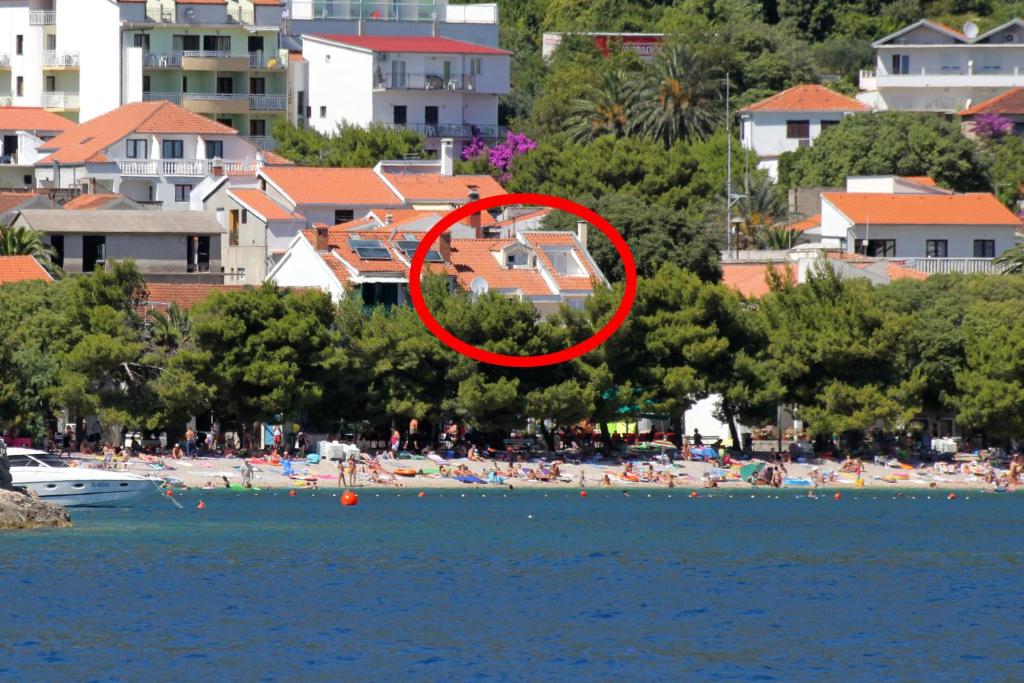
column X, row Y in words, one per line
column 518, row 256
column 564, row 262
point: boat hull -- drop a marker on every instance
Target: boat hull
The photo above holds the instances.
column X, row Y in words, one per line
column 87, row 492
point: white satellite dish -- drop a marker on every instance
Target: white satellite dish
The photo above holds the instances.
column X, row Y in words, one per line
column 971, row 30
column 479, row 286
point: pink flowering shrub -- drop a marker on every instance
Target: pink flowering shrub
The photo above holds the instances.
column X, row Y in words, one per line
column 501, row 156
column 992, row 126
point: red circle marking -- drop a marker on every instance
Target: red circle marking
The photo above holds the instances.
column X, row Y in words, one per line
column 507, row 360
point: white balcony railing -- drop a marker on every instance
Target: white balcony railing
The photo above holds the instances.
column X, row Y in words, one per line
column 259, row 60
column 403, row 81
column 268, row 102
column 5, row 99
column 191, row 168
column 207, row 54
column 134, row 167
column 60, row 100
column 60, row 59
column 951, row 265
column 453, row 130
column 42, row 18
column 241, row 16
column 165, row 60
column 173, row 97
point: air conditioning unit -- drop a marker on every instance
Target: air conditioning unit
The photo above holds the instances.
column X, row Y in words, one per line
column 382, row 56
column 1009, row 38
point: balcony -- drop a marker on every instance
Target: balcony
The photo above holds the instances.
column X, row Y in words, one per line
column 263, row 142
column 951, row 265
column 60, row 60
column 6, row 100
column 60, row 101
column 986, row 76
column 188, row 168
column 268, row 102
column 172, row 97
column 257, row 60
column 216, row 103
column 209, row 60
column 154, row 60
column 156, row 14
column 453, row 130
column 367, row 10
column 245, row 17
column 42, row 18
column 399, row 81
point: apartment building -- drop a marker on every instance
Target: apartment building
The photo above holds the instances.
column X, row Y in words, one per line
column 438, row 87
column 928, row 66
column 83, row 58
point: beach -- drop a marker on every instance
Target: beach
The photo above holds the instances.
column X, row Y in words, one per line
column 212, row 471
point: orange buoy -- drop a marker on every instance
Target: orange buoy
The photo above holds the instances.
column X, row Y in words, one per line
column 838, row 496
column 292, row 492
column 422, row 494
column 200, row 505
column 170, row 492
column 349, row 498
column 583, row 494
column 693, row 494
column 951, row 496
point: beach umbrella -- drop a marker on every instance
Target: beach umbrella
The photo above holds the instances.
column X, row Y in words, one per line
column 704, row 452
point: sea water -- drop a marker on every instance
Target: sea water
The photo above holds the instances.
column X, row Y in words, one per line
column 488, row 583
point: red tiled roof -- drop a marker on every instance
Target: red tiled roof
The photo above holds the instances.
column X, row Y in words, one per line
column 12, row 200
column 411, row 44
column 19, row 268
column 436, row 187
column 808, row 98
column 922, row 209
column 345, row 186
column 808, row 223
column 898, row 272
column 272, row 3
column 751, row 279
column 473, row 258
column 1009, row 102
column 922, row 180
column 186, row 295
column 539, row 239
column 273, row 159
column 88, row 140
column 33, row 118
column 296, row 57
column 257, row 201
column 90, row 202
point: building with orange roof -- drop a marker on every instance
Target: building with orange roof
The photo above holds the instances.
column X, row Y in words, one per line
column 20, row 269
column 152, row 152
column 13, row 202
column 103, row 200
column 792, row 119
column 23, row 130
column 184, row 295
column 928, row 66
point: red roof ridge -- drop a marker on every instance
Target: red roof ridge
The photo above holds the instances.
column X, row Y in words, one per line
column 992, row 103
column 807, row 97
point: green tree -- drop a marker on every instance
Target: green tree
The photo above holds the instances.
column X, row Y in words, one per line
column 25, row 242
column 350, row 145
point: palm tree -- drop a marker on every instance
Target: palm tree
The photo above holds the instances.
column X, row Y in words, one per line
column 680, row 97
column 781, row 237
column 603, row 110
column 25, row 242
column 1011, row 260
column 170, row 330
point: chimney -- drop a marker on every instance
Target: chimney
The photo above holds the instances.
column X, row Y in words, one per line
column 322, row 241
column 475, row 220
column 444, row 246
column 581, row 233
column 389, row 218
column 447, row 160
column 217, row 167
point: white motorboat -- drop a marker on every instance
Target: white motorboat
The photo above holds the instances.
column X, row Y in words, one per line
column 52, row 478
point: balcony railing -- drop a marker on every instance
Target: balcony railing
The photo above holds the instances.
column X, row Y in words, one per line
column 60, row 100
column 263, row 142
column 42, row 18
column 207, row 54
column 173, row 97
column 399, row 81
column 193, row 168
column 259, row 60
column 381, row 10
column 166, row 15
column 951, row 265
column 60, row 59
column 241, row 16
column 160, row 15
column 215, row 96
column 6, row 100
column 453, row 130
column 268, row 102
column 167, row 60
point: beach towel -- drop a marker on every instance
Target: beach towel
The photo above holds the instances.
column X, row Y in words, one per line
column 469, row 479
column 437, row 458
column 493, row 478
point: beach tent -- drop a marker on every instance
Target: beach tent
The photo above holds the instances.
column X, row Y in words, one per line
column 704, row 452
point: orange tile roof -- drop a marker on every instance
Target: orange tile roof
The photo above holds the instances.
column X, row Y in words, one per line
column 896, row 271
column 400, row 217
column 272, row 3
column 344, row 186
column 272, row 159
column 88, row 141
column 538, row 239
column 33, row 118
column 12, row 200
column 1009, row 102
column 808, row 223
column 338, row 241
column 473, row 258
column 437, row 187
column 751, row 279
column 922, row 209
column 808, row 98
column 160, row 295
column 258, row 201
column 89, row 202
column 20, row 268
column 922, row 180
column 296, row 57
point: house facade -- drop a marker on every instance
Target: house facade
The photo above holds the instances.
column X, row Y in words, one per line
column 928, row 66
column 23, row 130
column 792, row 119
column 438, row 87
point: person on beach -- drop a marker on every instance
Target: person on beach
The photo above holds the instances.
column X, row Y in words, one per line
column 190, row 443
column 176, row 452
column 473, row 453
column 583, row 479
column 68, row 443
column 396, row 440
column 350, row 470
column 227, row 484
column 697, row 440
column 246, row 474
column 606, row 482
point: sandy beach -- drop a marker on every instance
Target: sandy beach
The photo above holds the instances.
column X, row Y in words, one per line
column 212, row 472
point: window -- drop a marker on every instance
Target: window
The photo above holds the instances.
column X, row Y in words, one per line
column 181, row 192
column 136, row 149
column 214, row 149
column 216, row 43
column 800, row 130
column 19, row 86
column 51, row 84
column 886, row 248
column 936, row 248
column 343, row 216
column 245, row 216
column 563, row 262
column 233, row 227
column 825, row 125
column 900, row 65
column 185, row 43
column 94, row 252
column 300, row 107
column 173, row 149
column 255, row 44
column 241, row 274
column 323, row 112
column 184, row 84
column 257, row 128
column 146, row 84
column 398, row 74
column 141, row 40
column 225, row 85
column 474, row 66
column 57, row 242
column 984, row 248
column 227, row 122
column 51, row 41
column 197, row 254
column 430, row 115
column 398, row 116
column 19, row 44
column 380, row 293
column 257, row 86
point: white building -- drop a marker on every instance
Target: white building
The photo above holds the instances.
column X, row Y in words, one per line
column 83, row 58
column 791, row 119
column 931, row 67
column 149, row 151
column 438, row 87
column 23, row 130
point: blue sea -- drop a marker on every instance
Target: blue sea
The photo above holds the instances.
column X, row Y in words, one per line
column 510, row 585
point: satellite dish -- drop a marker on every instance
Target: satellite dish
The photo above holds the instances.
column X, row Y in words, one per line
column 971, row 30
column 479, row 286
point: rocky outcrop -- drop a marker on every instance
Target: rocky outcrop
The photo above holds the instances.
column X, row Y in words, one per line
column 21, row 511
